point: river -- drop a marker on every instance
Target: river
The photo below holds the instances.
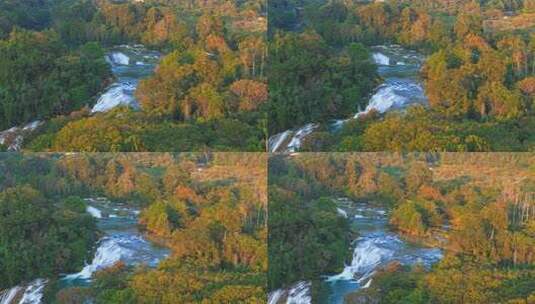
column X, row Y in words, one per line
column 129, row 64
column 121, row 241
column 375, row 247
column 402, row 87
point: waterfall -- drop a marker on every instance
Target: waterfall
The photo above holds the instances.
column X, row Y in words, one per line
column 8, row 295
column 127, row 247
column 275, row 296
column 370, row 252
column 34, row 292
column 31, row 294
column 341, row 212
column 381, row 59
column 129, row 64
column 399, row 67
column 96, row 213
column 276, row 140
column 119, row 58
column 108, row 253
column 14, row 137
column 394, row 94
column 298, row 293
column 296, row 141
column 297, row 136
column 118, row 94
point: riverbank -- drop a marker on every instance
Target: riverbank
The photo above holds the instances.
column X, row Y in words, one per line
column 400, row 88
column 374, row 247
column 128, row 64
column 120, row 240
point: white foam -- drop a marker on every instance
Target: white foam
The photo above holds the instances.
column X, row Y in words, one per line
column 275, row 296
column 380, row 58
column 16, row 134
column 276, row 140
column 393, row 95
column 299, row 135
column 7, row 296
column 300, row 293
column 369, row 253
column 31, row 293
column 108, row 253
column 96, row 213
column 341, row 212
column 119, row 94
column 119, row 58
column 34, row 292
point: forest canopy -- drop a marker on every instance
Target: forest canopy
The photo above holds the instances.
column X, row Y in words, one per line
column 211, row 75
column 477, row 207
column 479, row 61
column 209, row 210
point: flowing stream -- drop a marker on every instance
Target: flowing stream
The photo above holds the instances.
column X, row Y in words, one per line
column 129, row 64
column 402, row 87
column 121, row 241
column 375, row 247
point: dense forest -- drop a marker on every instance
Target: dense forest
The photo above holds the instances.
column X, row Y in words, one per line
column 478, row 75
column 208, row 89
column 307, row 238
column 210, row 210
column 479, row 208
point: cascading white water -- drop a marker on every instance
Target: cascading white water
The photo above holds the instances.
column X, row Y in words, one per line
column 96, row 213
column 34, row 292
column 370, row 252
column 129, row 63
column 399, row 67
column 298, row 293
column 8, row 295
column 123, row 243
column 275, row 296
column 294, row 138
column 341, row 212
column 132, row 249
column 375, row 248
column 381, row 59
column 108, row 253
column 119, row 58
column 14, row 136
column 28, row 294
column 119, row 94
column 394, row 94
column 276, row 140
column 299, row 135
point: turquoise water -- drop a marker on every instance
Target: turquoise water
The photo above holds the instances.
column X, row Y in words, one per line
column 375, row 247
